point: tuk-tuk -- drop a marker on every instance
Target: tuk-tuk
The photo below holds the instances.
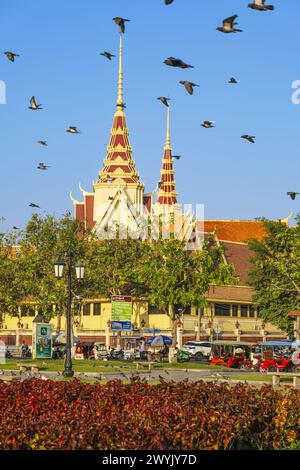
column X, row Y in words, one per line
column 100, row 351
column 235, row 354
column 276, row 356
column 84, row 350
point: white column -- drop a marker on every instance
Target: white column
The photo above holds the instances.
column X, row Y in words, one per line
column 179, row 334
column 107, row 337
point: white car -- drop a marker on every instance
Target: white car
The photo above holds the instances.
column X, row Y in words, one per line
column 199, row 349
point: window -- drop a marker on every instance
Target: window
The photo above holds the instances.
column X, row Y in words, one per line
column 27, row 311
column 180, row 310
column 86, row 310
column 235, row 310
column 244, row 311
column 222, row 310
column 155, row 311
column 97, row 308
column 251, row 311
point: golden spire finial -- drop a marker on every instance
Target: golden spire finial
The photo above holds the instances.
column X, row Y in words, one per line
column 120, row 82
column 168, row 139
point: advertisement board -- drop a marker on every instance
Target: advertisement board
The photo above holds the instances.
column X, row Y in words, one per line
column 121, row 311
column 42, row 341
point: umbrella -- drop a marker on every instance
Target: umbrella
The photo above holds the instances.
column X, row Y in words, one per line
column 160, row 340
column 60, row 338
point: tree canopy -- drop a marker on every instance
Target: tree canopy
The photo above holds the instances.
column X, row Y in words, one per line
column 275, row 273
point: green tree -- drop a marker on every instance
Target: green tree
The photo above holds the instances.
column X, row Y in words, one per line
column 275, row 273
column 177, row 276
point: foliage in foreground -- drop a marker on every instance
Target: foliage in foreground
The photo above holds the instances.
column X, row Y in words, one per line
column 38, row 414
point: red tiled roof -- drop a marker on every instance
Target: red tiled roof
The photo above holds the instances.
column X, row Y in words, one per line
column 239, row 255
column 231, row 293
column 236, row 230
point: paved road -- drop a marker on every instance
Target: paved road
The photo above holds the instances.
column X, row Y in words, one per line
column 154, row 375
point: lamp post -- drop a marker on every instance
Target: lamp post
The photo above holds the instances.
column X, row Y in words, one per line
column 59, row 269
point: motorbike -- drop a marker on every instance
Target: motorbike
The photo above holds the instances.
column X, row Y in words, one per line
column 183, row 356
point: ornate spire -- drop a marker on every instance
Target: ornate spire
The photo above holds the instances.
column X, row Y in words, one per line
column 119, row 163
column 120, row 82
column 167, row 194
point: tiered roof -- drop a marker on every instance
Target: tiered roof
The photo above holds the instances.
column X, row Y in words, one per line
column 119, row 162
column 167, row 195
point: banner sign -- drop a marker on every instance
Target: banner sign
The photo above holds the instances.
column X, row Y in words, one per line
column 121, row 310
column 42, row 341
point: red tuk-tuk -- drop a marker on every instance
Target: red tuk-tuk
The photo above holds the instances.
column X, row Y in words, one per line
column 275, row 356
column 234, row 354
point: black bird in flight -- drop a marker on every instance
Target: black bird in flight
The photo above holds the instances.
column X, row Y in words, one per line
column 110, row 198
column 260, row 5
column 34, row 205
column 43, row 142
column 208, row 124
column 33, row 104
column 11, row 55
column 250, row 138
column 233, row 80
column 168, row 2
column 42, row 166
column 178, row 157
column 121, row 23
column 173, row 62
column 189, row 86
column 292, row 195
column 164, row 100
column 16, row 228
column 108, row 55
column 229, row 25
column 73, row 130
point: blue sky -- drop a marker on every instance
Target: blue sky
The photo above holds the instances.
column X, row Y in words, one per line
column 59, row 44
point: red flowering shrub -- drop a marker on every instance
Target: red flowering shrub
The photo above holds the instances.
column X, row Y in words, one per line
column 38, row 414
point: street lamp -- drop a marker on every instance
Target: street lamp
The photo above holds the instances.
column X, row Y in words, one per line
column 59, row 269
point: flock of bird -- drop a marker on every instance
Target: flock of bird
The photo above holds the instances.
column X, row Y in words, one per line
column 228, row 26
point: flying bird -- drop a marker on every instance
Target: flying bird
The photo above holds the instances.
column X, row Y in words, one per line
column 178, row 157
column 164, row 100
column 173, row 62
column 189, row 86
column 34, row 205
column 233, row 80
column 110, row 198
column 250, row 138
column 121, row 23
column 260, row 5
column 73, row 130
column 228, row 25
column 33, row 104
column 168, row 2
column 16, row 228
column 208, row 124
column 11, row 55
column 43, row 142
column 108, row 55
column 42, row 166
column 292, row 195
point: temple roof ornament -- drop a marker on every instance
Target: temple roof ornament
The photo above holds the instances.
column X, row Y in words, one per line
column 119, row 161
column 167, row 196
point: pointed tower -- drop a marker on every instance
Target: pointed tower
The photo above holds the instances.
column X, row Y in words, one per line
column 118, row 177
column 118, row 190
column 167, row 196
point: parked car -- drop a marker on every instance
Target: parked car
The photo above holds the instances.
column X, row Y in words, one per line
column 198, row 349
